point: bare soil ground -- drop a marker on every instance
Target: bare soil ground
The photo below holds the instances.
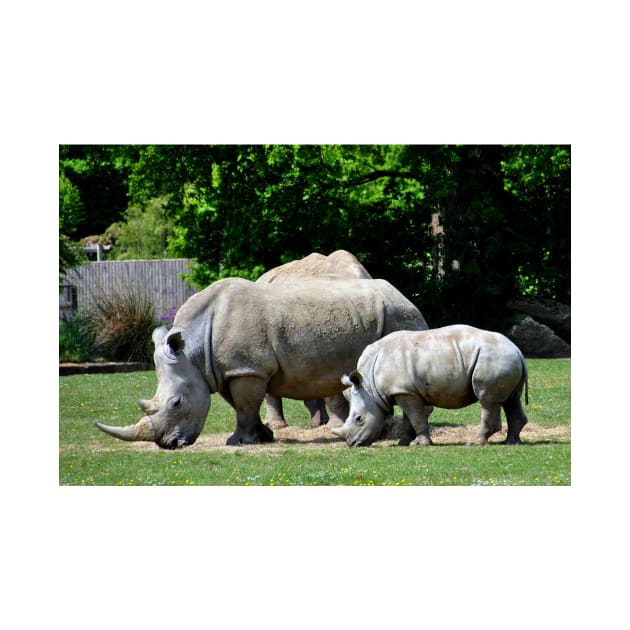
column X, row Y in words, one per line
column 318, row 437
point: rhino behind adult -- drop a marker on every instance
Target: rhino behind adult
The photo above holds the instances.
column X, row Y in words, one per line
column 242, row 339
column 339, row 264
column 449, row 367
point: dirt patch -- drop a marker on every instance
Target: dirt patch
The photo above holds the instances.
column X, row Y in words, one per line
column 320, row 437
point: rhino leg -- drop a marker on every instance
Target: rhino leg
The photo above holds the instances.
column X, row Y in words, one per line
column 247, row 394
column 490, row 422
column 408, row 432
column 317, row 409
column 274, row 416
column 339, row 409
column 418, row 414
column 516, row 419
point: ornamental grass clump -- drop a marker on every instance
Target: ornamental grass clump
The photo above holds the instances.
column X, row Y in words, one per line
column 121, row 323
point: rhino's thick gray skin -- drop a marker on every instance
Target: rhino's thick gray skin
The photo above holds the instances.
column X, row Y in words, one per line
column 339, row 264
column 242, row 339
column 449, row 367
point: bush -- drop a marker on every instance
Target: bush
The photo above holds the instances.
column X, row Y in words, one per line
column 75, row 343
column 121, row 323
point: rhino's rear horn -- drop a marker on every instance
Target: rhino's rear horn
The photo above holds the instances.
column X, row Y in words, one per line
column 148, row 406
column 141, row 431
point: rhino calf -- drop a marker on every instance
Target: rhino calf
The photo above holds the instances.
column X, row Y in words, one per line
column 450, row 367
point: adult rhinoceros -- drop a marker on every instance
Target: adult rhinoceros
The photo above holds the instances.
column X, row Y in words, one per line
column 242, row 339
column 339, row 264
column 449, row 367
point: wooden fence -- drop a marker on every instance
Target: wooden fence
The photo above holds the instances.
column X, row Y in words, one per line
column 160, row 280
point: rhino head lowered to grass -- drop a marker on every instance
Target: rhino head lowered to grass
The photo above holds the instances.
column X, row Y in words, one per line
column 176, row 414
column 241, row 340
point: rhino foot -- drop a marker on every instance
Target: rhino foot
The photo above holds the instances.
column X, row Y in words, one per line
column 421, row 440
column 258, row 435
column 276, row 424
column 512, row 440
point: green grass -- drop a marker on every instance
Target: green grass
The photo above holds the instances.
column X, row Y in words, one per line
column 89, row 457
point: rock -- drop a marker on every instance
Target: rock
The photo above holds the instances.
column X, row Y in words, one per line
column 537, row 340
column 548, row 312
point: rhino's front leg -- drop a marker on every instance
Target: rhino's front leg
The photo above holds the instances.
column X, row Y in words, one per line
column 247, row 393
column 418, row 414
column 339, row 409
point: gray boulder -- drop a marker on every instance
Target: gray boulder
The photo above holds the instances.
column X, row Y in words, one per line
column 537, row 340
column 548, row 312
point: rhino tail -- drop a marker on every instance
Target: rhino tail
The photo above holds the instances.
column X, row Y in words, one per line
column 526, row 379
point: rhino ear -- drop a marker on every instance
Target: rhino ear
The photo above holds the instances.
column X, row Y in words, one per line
column 175, row 340
column 158, row 334
column 353, row 380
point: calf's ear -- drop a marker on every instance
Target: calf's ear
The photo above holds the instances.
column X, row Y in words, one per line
column 352, row 380
column 355, row 378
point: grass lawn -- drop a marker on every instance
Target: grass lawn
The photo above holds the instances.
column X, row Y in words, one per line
column 89, row 457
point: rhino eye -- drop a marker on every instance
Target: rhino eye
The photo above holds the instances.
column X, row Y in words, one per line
column 175, row 402
column 358, row 420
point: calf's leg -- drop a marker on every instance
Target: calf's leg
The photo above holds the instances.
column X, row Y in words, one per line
column 516, row 420
column 418, row 414
column 490, row 421
column 247, row 394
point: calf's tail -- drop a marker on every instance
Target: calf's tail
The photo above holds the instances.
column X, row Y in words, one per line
column 526, row 379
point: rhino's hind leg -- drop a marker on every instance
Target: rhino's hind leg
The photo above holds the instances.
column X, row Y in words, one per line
column 339, row 409
column 516, row 420
column 490, row 422
column 274, row 416
column 247, row 394
column 317, row 410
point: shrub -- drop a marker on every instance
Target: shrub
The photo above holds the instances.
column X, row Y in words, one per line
column 121, row 323
column 75, row 343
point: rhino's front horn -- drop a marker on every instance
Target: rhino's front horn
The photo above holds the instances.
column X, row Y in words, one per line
column 141, row 431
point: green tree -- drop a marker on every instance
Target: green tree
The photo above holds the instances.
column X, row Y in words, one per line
column 459, row 229
column 100, row 173
column 70, row 215
column 143, row 233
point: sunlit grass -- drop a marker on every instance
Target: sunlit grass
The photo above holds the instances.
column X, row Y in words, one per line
column 88, row 457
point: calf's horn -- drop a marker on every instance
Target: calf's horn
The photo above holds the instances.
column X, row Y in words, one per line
column 340, row 431
column 141, row 431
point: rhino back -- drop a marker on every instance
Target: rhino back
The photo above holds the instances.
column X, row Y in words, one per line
column 443, row 365
column 318, row 329
column 340, row 263
column 301, row 335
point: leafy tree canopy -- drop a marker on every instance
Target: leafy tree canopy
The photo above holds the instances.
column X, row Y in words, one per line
column 459, row 229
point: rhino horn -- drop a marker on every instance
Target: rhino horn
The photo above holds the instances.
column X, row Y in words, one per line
column 340, row 431
column 148, row 406
column 141, row 431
